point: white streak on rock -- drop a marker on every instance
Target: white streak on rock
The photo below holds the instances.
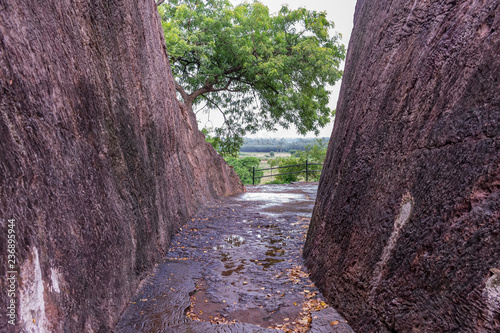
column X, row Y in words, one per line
column 31, row 303
column 54, row 277
column 491, row 293
column 401, row 219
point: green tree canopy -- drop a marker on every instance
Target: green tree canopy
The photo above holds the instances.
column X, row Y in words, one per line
column 259, row 70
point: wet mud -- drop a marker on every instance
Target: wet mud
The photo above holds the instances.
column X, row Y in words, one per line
column 237, row 267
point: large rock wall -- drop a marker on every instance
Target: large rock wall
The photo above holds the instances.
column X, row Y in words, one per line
column 99, row 164
column 405, row 234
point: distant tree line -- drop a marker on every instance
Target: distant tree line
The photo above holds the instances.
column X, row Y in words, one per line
column 277, row 145
column 314, row 153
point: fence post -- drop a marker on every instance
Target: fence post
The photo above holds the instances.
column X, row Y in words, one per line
column 307, row 172
column 253, row 176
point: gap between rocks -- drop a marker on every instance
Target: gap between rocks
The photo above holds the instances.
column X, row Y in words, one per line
column 237, row 267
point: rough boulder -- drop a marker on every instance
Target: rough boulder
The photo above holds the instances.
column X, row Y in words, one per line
column 99, row 164
column 405, row 234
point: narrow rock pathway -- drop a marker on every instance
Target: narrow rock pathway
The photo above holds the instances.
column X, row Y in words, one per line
column 237, row 267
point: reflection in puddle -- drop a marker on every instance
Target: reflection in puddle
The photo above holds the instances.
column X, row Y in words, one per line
column 274, row 241
column 268, row 237
column 266, row 263
column 275, row 198
column 235, row 240
column 275, row 251
column 276, row 238
column 230, row 268
column 225, row 257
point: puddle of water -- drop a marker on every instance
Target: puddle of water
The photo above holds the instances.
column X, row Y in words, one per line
column 275, row 251
column 225, row 257
column 235, row 240
column 274, row 241
column 207, row 309
column 297, row 207
column 276, row 238
column 230, row 268
column 274, row 198
column 266, row 263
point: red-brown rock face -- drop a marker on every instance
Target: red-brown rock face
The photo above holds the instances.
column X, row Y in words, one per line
column 405, row 234
column 99, row 166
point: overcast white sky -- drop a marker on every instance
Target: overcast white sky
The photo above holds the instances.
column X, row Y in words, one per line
column 341, row 12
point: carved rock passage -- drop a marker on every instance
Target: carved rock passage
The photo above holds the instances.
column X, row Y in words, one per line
column 405, row 234
column 99, row 165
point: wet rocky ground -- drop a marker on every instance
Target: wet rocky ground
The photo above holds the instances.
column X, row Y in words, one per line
column 237, row 267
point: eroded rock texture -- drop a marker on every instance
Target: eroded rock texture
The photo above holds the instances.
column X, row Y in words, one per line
column 405, row 234
column 99, row 165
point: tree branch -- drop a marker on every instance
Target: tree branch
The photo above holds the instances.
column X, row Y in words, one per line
column 159, row 2
column 209, row 87
column 181, row 91
column 232, row 70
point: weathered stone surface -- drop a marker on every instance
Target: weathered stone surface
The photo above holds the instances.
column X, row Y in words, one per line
column 243, row 252
column 99, row 165
column 329, row 321
column 205, row 327
column 405, row 235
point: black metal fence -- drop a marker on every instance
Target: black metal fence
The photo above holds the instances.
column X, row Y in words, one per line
column 307, row 171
